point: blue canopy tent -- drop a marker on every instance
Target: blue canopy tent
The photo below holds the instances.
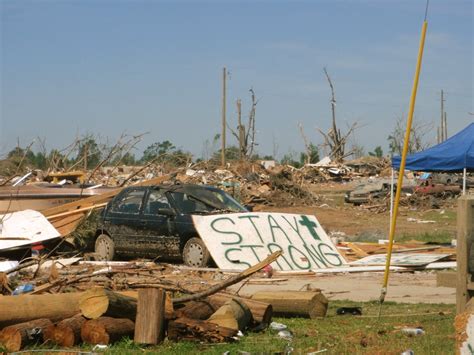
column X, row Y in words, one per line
column 455, row 154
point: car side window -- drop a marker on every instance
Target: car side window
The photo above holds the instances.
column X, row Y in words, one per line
column 188, row 205
column 129, row 202
column 156, row 200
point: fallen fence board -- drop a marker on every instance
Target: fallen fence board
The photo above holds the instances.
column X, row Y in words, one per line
column 239, row 240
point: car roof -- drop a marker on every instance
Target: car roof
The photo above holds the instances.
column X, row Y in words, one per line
column 174, row 187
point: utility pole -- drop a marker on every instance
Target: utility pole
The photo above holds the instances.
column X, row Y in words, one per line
column 445, row 125
column 86, row 147
column 241, row 129
column 442, row 117
column 223, row 116
column 438, row 136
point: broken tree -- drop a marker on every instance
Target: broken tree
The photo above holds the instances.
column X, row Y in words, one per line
column 334, row 139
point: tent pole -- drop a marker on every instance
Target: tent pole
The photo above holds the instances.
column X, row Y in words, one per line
column 391, row 194
column 464, row 177
column 401, row 171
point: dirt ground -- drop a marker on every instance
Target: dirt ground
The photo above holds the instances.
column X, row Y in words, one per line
column 418, row 287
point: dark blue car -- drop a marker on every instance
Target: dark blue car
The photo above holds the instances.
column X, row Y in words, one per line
column 156, row 222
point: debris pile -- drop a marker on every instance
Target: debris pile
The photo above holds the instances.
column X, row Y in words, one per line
column 74, row 301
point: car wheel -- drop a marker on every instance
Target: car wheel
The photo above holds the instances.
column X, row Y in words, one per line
column 195, row 253
column 104, row 248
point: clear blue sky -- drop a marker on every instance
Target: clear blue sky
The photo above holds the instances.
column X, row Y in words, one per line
column 108, row 67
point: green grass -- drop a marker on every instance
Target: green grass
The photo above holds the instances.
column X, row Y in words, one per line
column 338, row 334
column 435, row 237
column 447, row 216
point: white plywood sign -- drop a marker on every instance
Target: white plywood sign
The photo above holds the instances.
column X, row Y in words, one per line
column 407, row 260
column 24, row 228
column 240, row 240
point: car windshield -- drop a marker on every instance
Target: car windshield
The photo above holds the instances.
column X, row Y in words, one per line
column 202, row 200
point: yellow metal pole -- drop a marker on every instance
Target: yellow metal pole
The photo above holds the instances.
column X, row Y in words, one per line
column 393, row 222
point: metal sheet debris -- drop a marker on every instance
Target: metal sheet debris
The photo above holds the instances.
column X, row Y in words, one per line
column 23, row 228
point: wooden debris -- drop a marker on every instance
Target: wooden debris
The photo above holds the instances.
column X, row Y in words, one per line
column 149, row 324
column 15, row 337
column 199, row 330
column 106, row 330
column 308, row 304
column 66, row 333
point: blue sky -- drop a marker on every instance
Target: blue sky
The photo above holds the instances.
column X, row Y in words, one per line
column 108, row 67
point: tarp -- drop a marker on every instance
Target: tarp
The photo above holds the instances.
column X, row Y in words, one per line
column 454, row 154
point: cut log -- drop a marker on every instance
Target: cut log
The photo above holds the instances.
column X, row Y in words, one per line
column 15, row 337
column 200, row 310
column 233, row 314
column 261, row 311
column 149, row 325
column 106, row 330
column 67, row 332
column 308, row 304
column 198, row 330
column 203, row 309
column 98, row 302
column 23, row 308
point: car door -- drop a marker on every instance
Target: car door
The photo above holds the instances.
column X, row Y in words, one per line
column 122, row 221
column 156, row 226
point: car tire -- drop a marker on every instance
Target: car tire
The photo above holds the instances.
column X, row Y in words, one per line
column 195, row 253
column 104, row 248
